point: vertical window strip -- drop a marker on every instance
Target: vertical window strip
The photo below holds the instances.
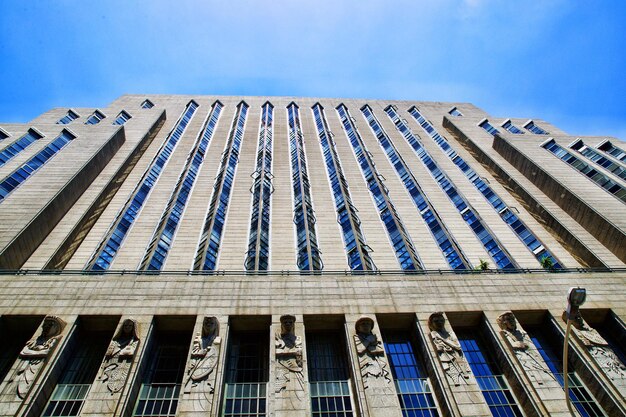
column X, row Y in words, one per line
column 595, row 156
column 3, row 134
column 614, row 151
column 510, row 127
column 455, row 112
column 17, row 177
column 488, row 127
column 579, row 395
column 18, row 146
column 357, row 251
column 210, row 240
column 95, row 118
column 111, row 243
column 448, row 246
column 309, row 258
column 487, row 238
column 328, row 375
column 412, row 384
column 532, row 127
column 600, row 179
column 68, row 118
column 398, row 236
column 515, row 223
column 257, row 258
column 147, row 104
column 122, row 118
column 163, row 236
column 489, row 377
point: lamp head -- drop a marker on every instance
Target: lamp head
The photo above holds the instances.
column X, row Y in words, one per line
column 576, row 297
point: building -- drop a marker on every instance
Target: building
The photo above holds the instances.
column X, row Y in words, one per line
column 279, row 256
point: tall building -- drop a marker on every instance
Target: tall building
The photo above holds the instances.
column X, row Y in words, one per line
column 281, row 256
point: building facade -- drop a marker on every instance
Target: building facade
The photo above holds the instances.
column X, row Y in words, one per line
column 282, row 256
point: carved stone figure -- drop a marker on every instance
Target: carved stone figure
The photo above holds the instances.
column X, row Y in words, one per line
column 522, row 346
column 371, row 353
column 289, row 358
column 34, row 355
column 449, row 350
column 119, row 356
column 205, row 354
column 598, row 348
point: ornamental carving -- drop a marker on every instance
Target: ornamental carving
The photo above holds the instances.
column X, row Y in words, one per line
column 289, row 358
column 119, row 356
column 448, row 349
column 205, row 353
column 371, row 354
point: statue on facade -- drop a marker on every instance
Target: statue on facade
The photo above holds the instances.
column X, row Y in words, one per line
column 371, row 353
column 522, row 346
column 597, row 347
column 289, row 357
column 205, row 355
column 119, row 356
column 34, row 355
column 449, row 349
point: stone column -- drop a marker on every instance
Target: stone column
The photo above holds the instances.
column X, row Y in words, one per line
column 373, row 379
column 206, row 358
column 31, row 370
column 288, row 390
column 111, row 387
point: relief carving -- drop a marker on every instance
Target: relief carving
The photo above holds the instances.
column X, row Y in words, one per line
column 522, row 346
column 598, row 348
column 371, row 354
column 205, row 354
column 448, row 349
column 289, row 358
column 119, row 356
column 34, row 355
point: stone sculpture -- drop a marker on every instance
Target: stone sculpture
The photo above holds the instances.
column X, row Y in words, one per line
column 522, row 346
column 119, row 356
column 371, row 353
column 289, row 357
column 34, row 355
column 449, row 350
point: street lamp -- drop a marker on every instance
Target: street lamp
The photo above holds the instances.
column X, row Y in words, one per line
column 576, row 297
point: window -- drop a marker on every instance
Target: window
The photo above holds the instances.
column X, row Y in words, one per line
column 95, row 118
column 488, row 127
column 455, row 112
column 531, row 242
column 161, row 241
column 489, row 376
column 532, row 127
column 147, row 104
column 208, row 249
column 122, row 118
column 449, row 247
column 15, row 331
column 18, row 146
column 17, row 177
column 247, row 363
column 595, row 156
column 613, row 150
column 68, row 118
column 3, row 134
column 510, row 127
column 398, row 236
column 107, row 250
column 357, row 251
column 329, row 379
column 257, row 258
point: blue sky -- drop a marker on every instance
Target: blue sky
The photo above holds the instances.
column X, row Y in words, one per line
column 559, row 60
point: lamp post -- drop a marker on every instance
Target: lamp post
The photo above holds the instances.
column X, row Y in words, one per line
column 576, row 297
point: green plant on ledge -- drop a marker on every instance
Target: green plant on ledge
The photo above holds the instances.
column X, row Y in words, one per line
column 547, row 263
column 483, row 265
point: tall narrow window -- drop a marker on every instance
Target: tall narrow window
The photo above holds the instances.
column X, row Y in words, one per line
column 163, row 236
column 613, row 150
column 18, row 146
column 584, row 168
column 357, row 251
column 455, row 112
column 31, row 166
column 257, row 258
column 95, row 118
column 442, row 236
column 245, row 387
column 489, row 376
column 109, row 246
column 209, row 247
column 68, row 118
column 595, row 156
column 488, row 127
column 3, row 134
column 329, row 377
column 412, row 384
column 398, row 236
column 15, row 332
column 147, row 104
column 510, row 127
column 527, row 237
column 532, row 127
column 309, row 258
column 122, row 118
column 87, row 352
column 160, row 385
column 579, row 395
